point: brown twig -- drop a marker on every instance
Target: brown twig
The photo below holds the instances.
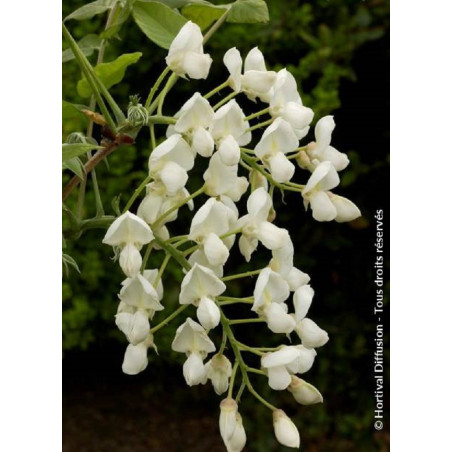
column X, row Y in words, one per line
column 96, row 158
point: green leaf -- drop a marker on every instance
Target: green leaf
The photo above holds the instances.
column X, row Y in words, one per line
column 68, row 260
column 117, row 23
column 76, row 166
column 91, row 9
column 70, row 110
column 248, row 12
column 75, row 149
column 87, row 45
column 158, row 22
column 203, row 13
column 171, row 3
column 109, row 73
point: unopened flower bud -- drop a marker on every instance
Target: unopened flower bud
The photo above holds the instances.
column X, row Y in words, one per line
column 303, row 160
column 285, row 430
column 303, row 392
column 76, row 137
column 228, row 422
column 238, row 439
column 219, row 370
column 257, row 180
column 137, row 114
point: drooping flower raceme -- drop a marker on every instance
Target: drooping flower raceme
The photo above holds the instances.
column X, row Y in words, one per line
column 242, row 170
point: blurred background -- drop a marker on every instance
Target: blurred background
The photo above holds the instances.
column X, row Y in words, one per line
column 338, row 50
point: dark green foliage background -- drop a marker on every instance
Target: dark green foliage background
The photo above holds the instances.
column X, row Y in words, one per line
column 337, row 50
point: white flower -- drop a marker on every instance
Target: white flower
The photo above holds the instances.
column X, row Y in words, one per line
column 193, row 370
column 134, row 326
column 303, row 392
column 286, row 361
column 256, row 81
column 135, row 358
column 186, row 55
column 285, row 430
column 277, row 318
column 170, row 161
column 211, row 221
column 199, row 287
column 346, row 210
column 276, row 364
column 321, row 151
column 286, row 103
column 219, row 370
column 270, row 288
column 302, row 300
column 282, row 259
column 222, row 179
column 139, row 293
column 199, row 257
column 255, row 226
column 323, row 178
column 311, row 334
column 129, row 232
column 191, row 338
column 230, row 120
column 195, row 116
column 296, row 278
column 277, row 140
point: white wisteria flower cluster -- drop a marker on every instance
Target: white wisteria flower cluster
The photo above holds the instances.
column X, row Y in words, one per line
column 248, row 160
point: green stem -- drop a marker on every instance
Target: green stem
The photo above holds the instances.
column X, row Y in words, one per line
column 249, row 349
column 162, row 269
column 240, row 392
column 223, row 343
column 223, row 101
column 242, row 364
column 215, row 26
column 259, row 113
column 88, row 72
column 156, row 119
column 232, row 380
column 260, row 124
column 152, row 132
column 146, row 256
column 256, row 371
column 136, row 193
column 241, row 321
column 169, row 318
column 177, row 255
column 216, row 90
column 251, row 162
column 165, row 90
column 153, row 90
column 242, row 275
